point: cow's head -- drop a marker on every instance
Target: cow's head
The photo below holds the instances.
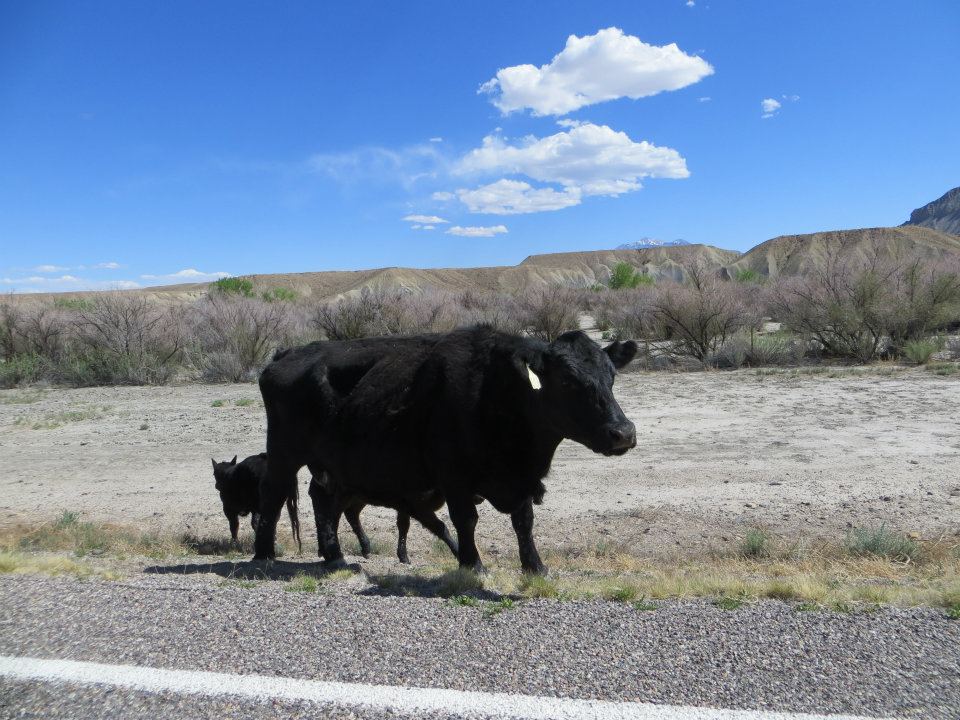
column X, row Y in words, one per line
column 573, row 378
column 231, row 495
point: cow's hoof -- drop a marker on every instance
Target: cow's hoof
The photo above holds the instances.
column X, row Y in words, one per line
column 405, row 559
column 262, row 558
column 477, row 567
column 365, row 553
column 539, row 569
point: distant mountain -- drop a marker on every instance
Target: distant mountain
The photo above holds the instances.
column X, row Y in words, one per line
column 644, row 243
column 942, row 214
column 799, row 254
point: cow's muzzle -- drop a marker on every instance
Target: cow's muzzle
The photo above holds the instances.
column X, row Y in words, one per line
column 621, row 437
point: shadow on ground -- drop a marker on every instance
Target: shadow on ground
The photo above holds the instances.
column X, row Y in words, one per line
column 450, row 584
column 248, row 569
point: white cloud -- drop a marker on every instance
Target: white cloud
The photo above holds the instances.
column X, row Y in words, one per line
column 50, row 268
column 791, row 98
column 107, row 266
column 436, row 139
column 443, row 196
column 593, row 69
column 423, row 227
column 568, row 123
column 474, row 231
column 425, row 219
column 188, row 275
column 704, row 99
column 513, row 197
column 691, row 3
column 585, row 160
column 64, row 283
column 769, row 107
column 378, row 165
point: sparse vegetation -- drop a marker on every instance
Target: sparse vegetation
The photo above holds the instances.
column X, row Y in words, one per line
column 919, row 352
column 233, row 286
column 755, row 544
column 302, row 582
column 883, row 543
column 725, row 602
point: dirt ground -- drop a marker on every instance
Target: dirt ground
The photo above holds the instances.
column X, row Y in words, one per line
column 802, row 455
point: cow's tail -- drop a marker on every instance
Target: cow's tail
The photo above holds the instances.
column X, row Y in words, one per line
column 292, row 510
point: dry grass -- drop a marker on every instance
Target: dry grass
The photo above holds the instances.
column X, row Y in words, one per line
column 838, row 576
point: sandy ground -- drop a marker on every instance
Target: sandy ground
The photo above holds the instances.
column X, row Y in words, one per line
column 805, row 456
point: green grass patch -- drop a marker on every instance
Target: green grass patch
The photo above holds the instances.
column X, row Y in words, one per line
column 279, row 294
column 755, row 544
column 953, row 612
column 302, row 582
column 643, row 605
column 538, row 586
column 465, row 601
column 458, row 582
column 492, row 609
column 218, row 403
column 728, row 603
column 944, row 369
column 244, row 402
column 884, row 543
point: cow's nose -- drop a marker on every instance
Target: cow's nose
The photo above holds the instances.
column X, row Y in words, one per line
column 623, row 435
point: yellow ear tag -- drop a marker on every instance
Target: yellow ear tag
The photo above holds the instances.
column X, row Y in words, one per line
column 534, row 380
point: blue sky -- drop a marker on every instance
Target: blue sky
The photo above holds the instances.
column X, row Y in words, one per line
column 141, row 140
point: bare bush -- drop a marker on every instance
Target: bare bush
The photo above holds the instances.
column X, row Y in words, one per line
column 384, row 311
column 699, row 316
column 501, row 312
column 551, row 311
column 925, row 298
column 234, row 336
column 844, row 305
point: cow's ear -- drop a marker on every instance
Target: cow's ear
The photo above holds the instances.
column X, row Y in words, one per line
column 621, row 353
column 529, row 367
column 234, row 461
column 214, row 464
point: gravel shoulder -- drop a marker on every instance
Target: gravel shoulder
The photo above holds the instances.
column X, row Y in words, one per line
column 893, row 662
column 805, row 456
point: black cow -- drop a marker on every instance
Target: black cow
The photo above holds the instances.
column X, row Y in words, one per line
column 474, row 412
column 239, row 488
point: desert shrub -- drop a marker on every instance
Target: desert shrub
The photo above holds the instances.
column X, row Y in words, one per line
column 919, row 352
column 747, row 275
column 21, row 369
column 881, row 542
column 550, row 311
column 34, row 328
column 697, row 317
column 381, row 311
column 843, row 305
column 234, row 336
column 755, row 544
column 233, row 286
column 123, row 339
column 625, row 277
column 925, row 298
column 500, row 311
column 279, row 294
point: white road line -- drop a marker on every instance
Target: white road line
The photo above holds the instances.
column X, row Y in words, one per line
column 408, row 700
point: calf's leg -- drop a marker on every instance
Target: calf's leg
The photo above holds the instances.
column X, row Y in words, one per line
column 522, row 519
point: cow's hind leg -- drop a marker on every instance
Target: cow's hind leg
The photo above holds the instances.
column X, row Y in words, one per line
column 352, row 514
column 435, row 525
column 403, row 527
column 279, row 482
column 522, row 519
column 315, row 489
column 463, row 513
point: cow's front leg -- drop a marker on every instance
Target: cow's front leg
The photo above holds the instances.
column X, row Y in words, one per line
column 327, row 510
column 522, row 519
column 464, row 516
column 352, row 514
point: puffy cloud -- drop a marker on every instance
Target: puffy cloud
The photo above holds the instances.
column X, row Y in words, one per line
column 585, row 160
column 514, row 197
column 188, row 275
column 425, row 219
column 50, row 268
column 443, row 196
column 593, row 69
column 769, row 107
column 473, row 231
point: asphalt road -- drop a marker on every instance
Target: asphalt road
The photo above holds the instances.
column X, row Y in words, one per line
column 765, row 656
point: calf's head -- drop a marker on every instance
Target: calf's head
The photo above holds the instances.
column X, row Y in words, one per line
column 573, row 378
column 231, row 495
